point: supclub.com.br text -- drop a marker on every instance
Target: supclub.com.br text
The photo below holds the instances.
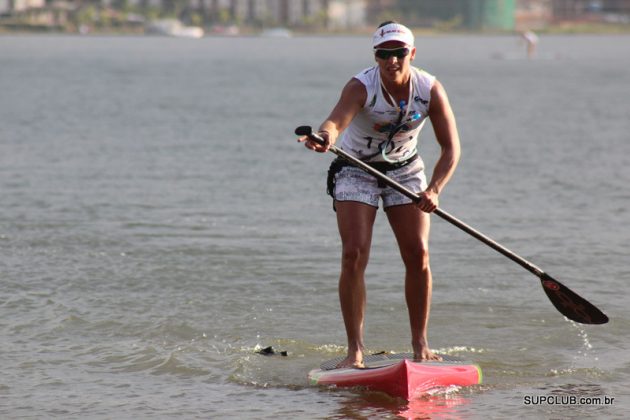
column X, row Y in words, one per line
column 567, row 400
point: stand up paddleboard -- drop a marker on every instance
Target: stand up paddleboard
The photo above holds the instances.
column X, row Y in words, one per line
column 398, row 375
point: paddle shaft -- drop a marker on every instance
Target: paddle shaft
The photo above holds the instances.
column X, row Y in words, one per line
column 567, row 302
column 439, row 212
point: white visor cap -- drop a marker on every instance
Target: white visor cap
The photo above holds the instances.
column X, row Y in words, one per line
column 393, row 32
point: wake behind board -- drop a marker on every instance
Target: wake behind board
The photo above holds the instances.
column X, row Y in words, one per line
column 398, row 375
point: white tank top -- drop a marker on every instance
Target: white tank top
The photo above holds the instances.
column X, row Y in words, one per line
column 366, row 137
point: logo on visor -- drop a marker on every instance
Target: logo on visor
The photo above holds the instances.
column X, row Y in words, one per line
column 391, row 31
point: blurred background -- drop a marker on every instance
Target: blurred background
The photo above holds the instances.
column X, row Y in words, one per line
column 232, row 17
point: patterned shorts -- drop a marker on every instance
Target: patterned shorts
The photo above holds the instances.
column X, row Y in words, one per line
column 354, row 184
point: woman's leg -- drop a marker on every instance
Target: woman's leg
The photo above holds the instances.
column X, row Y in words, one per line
column 355, row 221
column 411, row 227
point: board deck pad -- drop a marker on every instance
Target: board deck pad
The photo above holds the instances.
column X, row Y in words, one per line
column 384, row 359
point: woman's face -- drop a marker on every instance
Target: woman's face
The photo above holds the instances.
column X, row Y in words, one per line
column 394, row 60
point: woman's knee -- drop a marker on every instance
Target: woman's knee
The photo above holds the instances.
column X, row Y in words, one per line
column 416, row 258
column 355, row 257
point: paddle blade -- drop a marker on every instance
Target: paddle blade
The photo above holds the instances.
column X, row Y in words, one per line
column 571, row 304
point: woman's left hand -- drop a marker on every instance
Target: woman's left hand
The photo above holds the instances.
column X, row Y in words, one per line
column 429, row 201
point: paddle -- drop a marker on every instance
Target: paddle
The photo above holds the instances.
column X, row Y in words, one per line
column 569, row 303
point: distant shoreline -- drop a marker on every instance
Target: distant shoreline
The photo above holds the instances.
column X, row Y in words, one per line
column 559, row 29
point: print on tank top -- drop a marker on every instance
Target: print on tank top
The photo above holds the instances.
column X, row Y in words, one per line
column 367, row 137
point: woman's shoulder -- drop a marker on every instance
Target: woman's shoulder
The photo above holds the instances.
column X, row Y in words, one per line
column 368, row 75
column 423, row 75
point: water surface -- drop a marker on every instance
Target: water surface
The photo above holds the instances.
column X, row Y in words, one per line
column 159, row 224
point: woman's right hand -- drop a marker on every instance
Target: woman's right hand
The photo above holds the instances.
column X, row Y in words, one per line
column 314, row 145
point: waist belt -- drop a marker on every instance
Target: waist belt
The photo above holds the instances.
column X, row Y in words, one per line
column 339, row 163
column 390, row 166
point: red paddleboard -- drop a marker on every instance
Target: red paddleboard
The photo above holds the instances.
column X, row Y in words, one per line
column 398, row 375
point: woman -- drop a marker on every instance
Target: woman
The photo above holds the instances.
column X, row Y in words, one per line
column 380, row 112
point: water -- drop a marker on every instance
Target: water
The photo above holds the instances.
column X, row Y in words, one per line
column 159, row 224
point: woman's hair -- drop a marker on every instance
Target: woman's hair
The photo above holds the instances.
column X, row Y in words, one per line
column 386, row 23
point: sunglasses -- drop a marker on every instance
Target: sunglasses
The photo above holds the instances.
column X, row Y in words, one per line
column 385, row 54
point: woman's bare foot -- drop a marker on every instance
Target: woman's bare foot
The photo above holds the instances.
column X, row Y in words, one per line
column 353, row 360
column 421, row 351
